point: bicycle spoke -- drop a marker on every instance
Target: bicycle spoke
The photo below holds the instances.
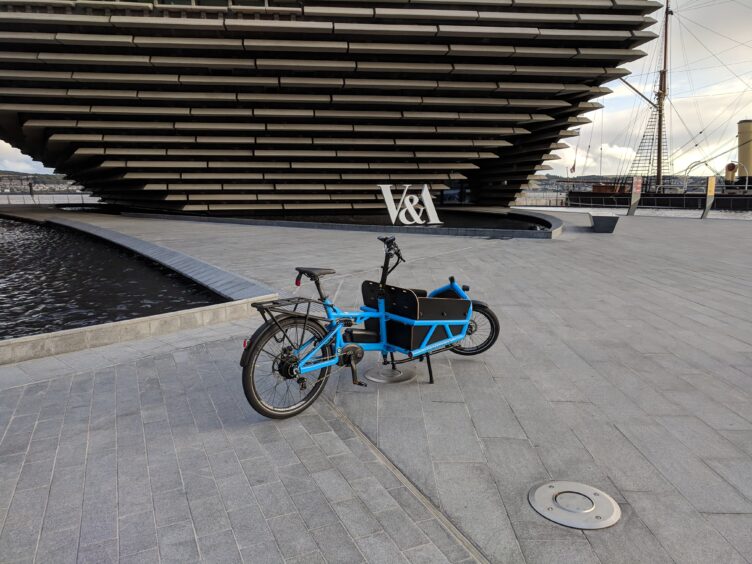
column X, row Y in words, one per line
column 270, row 356
column 287, row 393
column 274, row 393
column 274, row 382
column 273, row 354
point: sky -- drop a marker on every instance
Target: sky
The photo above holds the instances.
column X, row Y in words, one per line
column 710, row 90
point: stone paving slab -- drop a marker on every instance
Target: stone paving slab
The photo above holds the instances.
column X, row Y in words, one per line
column 624, row 361
column 158, row 458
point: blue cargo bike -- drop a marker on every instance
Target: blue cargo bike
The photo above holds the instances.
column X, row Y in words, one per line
column 287, row 361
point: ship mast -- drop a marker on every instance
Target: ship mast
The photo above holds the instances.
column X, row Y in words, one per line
column 662, row 94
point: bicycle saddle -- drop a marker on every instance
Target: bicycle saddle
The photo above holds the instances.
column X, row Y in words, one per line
column 314, row 272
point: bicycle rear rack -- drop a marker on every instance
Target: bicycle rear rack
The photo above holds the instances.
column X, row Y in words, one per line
column 307, row 308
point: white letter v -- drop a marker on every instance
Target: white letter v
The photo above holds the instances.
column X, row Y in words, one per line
column 386, row 191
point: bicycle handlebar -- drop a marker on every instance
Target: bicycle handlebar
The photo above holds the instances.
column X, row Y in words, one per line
column 390, row 243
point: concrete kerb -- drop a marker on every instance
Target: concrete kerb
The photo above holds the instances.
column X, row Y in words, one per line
column 70, row 340
column 242, row 291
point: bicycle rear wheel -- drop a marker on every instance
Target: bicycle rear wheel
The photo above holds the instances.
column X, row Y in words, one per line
column 481, row 334
column 271, row 382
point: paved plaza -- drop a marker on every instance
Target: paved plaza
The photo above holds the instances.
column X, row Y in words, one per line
column 624, row 361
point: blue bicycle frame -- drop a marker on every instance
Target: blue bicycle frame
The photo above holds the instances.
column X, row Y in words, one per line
column 339, row 319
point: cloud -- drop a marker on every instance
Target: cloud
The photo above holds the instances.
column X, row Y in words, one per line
column 610, row 159
column 13, row 159
column 710, row 88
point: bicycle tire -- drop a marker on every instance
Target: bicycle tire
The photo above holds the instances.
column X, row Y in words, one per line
column 484, row 313
column 261, row 339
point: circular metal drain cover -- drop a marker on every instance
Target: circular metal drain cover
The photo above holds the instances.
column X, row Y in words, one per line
column 575, row 505
column 385, row 375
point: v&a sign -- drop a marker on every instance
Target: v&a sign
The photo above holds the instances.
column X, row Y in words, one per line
column 412, row 209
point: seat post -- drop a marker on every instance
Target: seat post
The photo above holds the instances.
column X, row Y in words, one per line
column 318, row 287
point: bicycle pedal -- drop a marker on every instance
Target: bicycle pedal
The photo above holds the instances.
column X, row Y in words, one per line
column 355, row 380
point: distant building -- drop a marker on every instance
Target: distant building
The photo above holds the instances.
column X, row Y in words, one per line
column 285, row 106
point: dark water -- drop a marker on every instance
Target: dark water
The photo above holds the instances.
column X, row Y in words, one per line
column 53, row 279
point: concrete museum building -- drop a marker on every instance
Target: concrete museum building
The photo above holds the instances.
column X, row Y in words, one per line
column 258, row 107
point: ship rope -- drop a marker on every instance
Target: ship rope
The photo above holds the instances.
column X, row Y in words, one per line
column 705, row 135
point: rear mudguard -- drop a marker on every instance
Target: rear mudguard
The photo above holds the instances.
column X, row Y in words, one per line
column 245, row 358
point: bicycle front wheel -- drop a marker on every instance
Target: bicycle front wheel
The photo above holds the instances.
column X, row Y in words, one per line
column 481, row 333
column 271, row 382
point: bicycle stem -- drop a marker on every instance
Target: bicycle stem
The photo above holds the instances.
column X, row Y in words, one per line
column 385, row 269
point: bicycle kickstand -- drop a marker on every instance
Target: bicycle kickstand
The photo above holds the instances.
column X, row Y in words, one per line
column 430, row 370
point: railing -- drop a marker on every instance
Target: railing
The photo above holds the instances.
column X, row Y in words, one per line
column 690, row 201
column 599, row 201
column 545, row 199
column 48, row 199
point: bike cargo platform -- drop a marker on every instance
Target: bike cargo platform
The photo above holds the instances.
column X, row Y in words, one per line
column 406, row 303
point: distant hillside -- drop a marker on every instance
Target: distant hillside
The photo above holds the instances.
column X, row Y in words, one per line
column 41, row 177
